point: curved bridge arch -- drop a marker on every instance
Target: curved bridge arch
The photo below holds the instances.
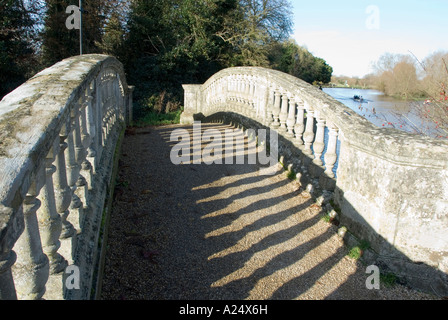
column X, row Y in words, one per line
column 391, row 186
column 59, row 132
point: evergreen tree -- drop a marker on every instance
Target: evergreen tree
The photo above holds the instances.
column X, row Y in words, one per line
column 59, row 42
column 113, row 38
column 290, row 58
column 17, row 56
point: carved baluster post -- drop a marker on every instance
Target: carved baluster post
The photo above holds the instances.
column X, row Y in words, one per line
column 50, row 221
column 31, row 271
column 251, row 98
column 262, row 94
column 299, row 126
column 86, row 141
column 7, row 255
column 98, row 118
column 284, row 112
column 91, row 127
column 270, row 97
column 308, row 136
column 276, row 109
column 80, row 155
column 72, row 173
column 331, row 155
column 63, row 194
column 319, row 144
column 290, row 122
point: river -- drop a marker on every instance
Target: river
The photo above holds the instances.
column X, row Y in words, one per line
column 384, row 111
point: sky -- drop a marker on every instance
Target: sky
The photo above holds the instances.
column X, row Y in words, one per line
column 352, row 34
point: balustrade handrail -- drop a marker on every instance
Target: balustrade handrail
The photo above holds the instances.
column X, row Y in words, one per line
column 58, row 133
column 390, row 186
column 396, row 145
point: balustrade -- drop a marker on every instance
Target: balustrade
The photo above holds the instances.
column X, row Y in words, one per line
column 49, row 161
column 370, row 172
column 275, row 104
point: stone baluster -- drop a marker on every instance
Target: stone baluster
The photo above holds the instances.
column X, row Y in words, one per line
column 299, row 126
column 73, row 171
column 291, row 121
column 276, row 109
column 80, row 155
column 7, row 258
column 251, row 97
column 308, row 136
column 319, row 144
column 238, row 88
column 50, row 221
column 234, row 87
column 105, row 109
column 86, row 166
column 63, row 193
column 247, row 89
column 283, row 112
column 331, row 155
column 230, row 86
column 91, row 127
column 269, row 106
column 62, row 188
column 31, row 271
column 98, row 112
column 259, row 98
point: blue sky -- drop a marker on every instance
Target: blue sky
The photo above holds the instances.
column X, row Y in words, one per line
column 352, row 34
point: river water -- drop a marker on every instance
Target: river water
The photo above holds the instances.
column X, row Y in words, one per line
column 384, row 111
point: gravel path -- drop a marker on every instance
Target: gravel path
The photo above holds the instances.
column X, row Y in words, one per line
column 197, row 231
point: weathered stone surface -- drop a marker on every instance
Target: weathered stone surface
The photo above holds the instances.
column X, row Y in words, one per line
column 391, row 186
column 84, row 100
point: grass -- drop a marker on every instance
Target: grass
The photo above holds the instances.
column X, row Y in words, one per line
column 292, row 175
column 388, row 279
column 326, row 217
column 357, row 251
column 153, row 118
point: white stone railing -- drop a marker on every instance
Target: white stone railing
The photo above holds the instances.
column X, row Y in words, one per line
column 391, row 186
column 58, row 135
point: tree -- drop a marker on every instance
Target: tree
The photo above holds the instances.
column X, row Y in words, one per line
column 289, row 57
column 253, row 27
column 172, row 42
column 397, row 76
column 17, row 53
column 404, row 81
column 113, row 38
column 435, row 72
column 58, row 42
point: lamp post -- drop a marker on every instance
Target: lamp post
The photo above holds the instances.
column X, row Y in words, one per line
column 80, row 27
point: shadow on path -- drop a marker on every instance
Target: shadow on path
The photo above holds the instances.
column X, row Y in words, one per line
column 197, row 231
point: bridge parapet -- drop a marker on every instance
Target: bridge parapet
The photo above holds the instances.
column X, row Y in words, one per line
column 391, row 187
column 58, row 135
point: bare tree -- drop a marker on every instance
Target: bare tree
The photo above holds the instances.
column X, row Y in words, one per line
column 254, row 26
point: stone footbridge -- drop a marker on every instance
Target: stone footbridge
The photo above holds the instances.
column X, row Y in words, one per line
column 87, row 211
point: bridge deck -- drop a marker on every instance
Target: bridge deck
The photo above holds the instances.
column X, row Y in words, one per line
column 198, row 231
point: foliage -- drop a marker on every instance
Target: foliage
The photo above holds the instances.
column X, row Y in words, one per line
column 58, row 42
column 290, row 58
column 17, row 53
column 166, row 43
column 406, row 77
column 388, row 279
